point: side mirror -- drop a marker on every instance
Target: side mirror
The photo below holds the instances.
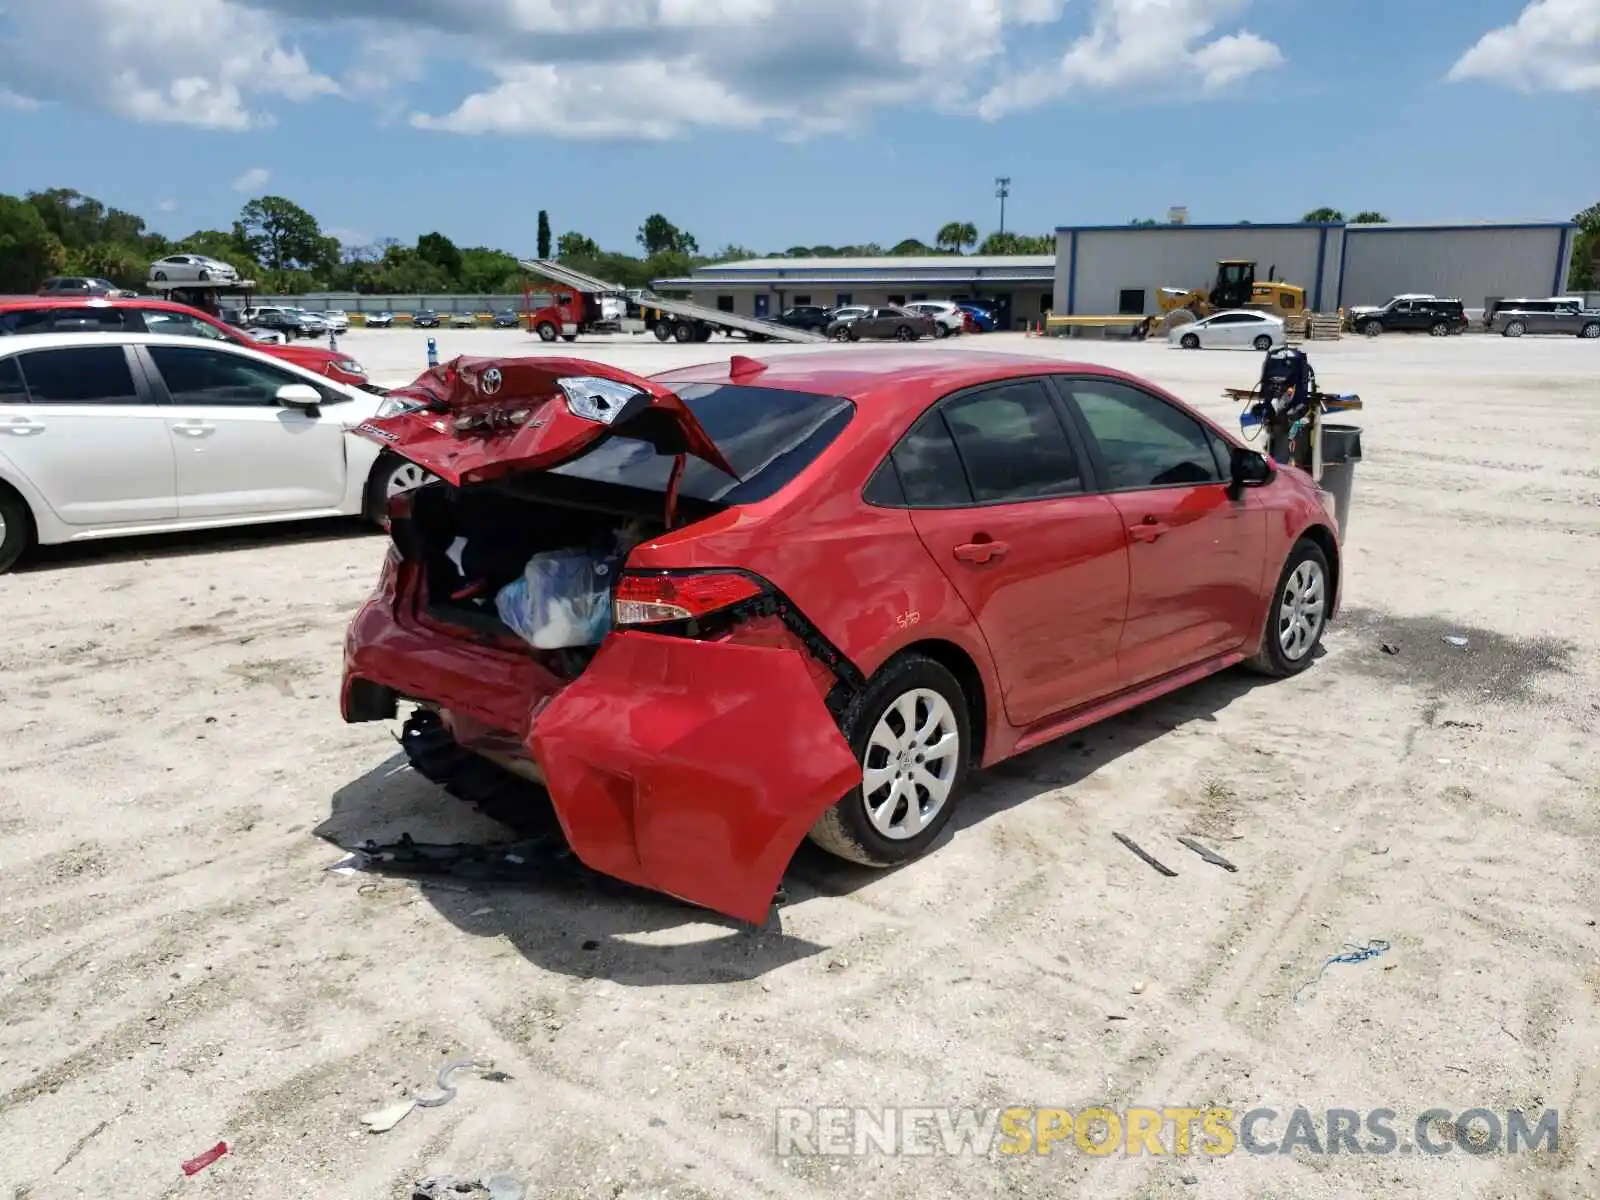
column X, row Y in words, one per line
column 1250, row 469
column 299, row 395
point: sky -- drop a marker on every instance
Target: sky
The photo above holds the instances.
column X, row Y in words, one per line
column 773, row 123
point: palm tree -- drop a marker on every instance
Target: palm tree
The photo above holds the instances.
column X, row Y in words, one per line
column 955, row 236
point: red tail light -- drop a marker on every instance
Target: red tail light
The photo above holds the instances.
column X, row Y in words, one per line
column 653, row 599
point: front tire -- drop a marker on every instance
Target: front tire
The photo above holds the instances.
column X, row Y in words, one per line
column 16, row 529
column 546, row 331
column 1190, row 341
column 391, row 475
column 911, row 731
column 905, row 334
column 1591, row 331
column 1515, row 329
column 941, row 331
column 1439, row 329
column 1297, row 613
column 1370, row 329
column 1263, row 343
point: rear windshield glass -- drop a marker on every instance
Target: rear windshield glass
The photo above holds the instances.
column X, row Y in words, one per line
column 767, row 435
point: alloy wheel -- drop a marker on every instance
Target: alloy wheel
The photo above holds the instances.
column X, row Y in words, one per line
column 1300, row 610
column 405, row 476
column 909, row 767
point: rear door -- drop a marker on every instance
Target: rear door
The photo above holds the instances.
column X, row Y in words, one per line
column 238, row 451
column 1001, row 497
column 89, row 437
column 1196, row 553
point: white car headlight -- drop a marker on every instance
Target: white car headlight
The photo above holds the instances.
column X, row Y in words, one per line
column 350, row 366
column 394, row 406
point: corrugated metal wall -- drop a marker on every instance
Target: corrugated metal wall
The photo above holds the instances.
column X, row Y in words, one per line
column 1110, row 261
column 1471, row 265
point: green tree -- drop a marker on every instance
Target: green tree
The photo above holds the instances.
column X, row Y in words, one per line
column 29, row 252
column 1018, row 243
column 1143, row 222
column 1322, row 216
column 732, row 253
column 125, row 266
column 80, row 221
column 281, row 235
column 660, row 236
column 439, row 250
column 544, row 234
column 1583, row 274
column 911, row 248
column 575, row 247
column 956, row 236
column 1369, row 218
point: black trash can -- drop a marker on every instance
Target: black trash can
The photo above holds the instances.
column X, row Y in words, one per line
column 1341, row 451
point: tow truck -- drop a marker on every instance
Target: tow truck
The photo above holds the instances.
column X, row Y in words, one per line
column 581, row 303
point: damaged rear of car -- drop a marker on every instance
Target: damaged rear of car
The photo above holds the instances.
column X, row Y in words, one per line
column 561, row 602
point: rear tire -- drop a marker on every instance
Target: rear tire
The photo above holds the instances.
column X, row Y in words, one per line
column 1190, row 341
column 569, row 337
column 1297, row 613
column 1439, row 329
column 941, row 331
column 16, row 528
column 905, row 334
column 916, row 684
column 682, row 333
column 1515, row 328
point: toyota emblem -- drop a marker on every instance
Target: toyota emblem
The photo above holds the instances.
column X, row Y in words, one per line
column 491, row 381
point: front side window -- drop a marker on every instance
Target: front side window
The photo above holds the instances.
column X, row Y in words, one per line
column 12, row 389
column 79, row 375
column 1144, row 441
column 214, row 377
column 1013, row 444
column 182, row 325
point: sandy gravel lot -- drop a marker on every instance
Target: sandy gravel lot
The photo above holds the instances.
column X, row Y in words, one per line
column 177, row 968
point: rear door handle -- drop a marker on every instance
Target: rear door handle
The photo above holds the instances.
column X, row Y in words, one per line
column 1148, row 530
column 980, row 552
column 22, row 427
column 194, row 429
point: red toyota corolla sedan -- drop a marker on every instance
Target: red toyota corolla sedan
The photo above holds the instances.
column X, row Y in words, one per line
column 805, row 596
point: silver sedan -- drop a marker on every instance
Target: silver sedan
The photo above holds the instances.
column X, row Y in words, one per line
column 179, row 268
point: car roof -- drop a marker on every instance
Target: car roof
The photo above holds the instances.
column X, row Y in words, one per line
column 862, row 372
column 1249, row 312
column 14, row 302
column 20, row 342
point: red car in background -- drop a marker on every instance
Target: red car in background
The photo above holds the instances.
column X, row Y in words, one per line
column 86, row 314
column 853, row 576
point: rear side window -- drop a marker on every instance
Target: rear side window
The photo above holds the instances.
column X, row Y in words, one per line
column 1013, row 444
column 80, row 375
column 930, row 467
column 12, row 389
column 768, row 436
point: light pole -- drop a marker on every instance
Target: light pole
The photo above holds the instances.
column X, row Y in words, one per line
column 1002, row 189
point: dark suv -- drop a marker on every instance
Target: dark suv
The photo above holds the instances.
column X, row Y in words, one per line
column 1513, row 318
column 80, row 285
column 804, row 316
column 1431, row 315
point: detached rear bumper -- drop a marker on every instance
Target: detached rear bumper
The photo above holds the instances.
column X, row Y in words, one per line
column 686, row 767
column 692, row 768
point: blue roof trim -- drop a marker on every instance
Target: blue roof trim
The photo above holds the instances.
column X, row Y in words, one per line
column 1345, row 225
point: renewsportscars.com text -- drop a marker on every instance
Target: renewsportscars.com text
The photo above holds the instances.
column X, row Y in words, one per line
column 1175, row 1131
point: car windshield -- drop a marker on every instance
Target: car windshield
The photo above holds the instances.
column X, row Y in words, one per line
column 768, row 436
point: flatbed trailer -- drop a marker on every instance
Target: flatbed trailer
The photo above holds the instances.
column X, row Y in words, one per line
column 205, row 294
column 669, row 320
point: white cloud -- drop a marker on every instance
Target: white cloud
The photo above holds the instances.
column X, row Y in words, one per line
column 195, row 62
column 252, row 180
column 1554, row 45
column 1142, row 43
column 167, row 206
column 618, row 68
column 10, row 99
column 349, row 237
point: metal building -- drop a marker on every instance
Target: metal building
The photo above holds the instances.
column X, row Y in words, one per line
column 1016, row 288
column 1118, row 269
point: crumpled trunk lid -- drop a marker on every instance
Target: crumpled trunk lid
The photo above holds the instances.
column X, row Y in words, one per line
column 484, row 418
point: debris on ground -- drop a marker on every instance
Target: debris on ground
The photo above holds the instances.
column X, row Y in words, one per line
column 1390, row 648
column 1455, row 639
column 201, row 1161
column 1135, row 847
column 1352, row 954
column 385, row 1119
column 451, row 1187
column 1211, row 856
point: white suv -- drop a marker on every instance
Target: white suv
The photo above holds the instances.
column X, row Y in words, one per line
column 947, row 318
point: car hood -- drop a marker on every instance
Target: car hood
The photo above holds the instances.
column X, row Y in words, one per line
column 484, row 418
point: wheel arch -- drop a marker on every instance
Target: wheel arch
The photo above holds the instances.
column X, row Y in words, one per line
column 964, row 667
column 1325, row 540
column 30, row 533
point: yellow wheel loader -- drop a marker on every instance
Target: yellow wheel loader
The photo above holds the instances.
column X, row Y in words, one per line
column 1236, row 287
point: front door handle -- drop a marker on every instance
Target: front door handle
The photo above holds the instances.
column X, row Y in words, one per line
column 1148, row 530
column 22, row 427
column 194, row 429
column 980, row 551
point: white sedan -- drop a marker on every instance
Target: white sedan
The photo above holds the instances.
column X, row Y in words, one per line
column 1239, row 328
column 114, row 434
column 183, row 268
